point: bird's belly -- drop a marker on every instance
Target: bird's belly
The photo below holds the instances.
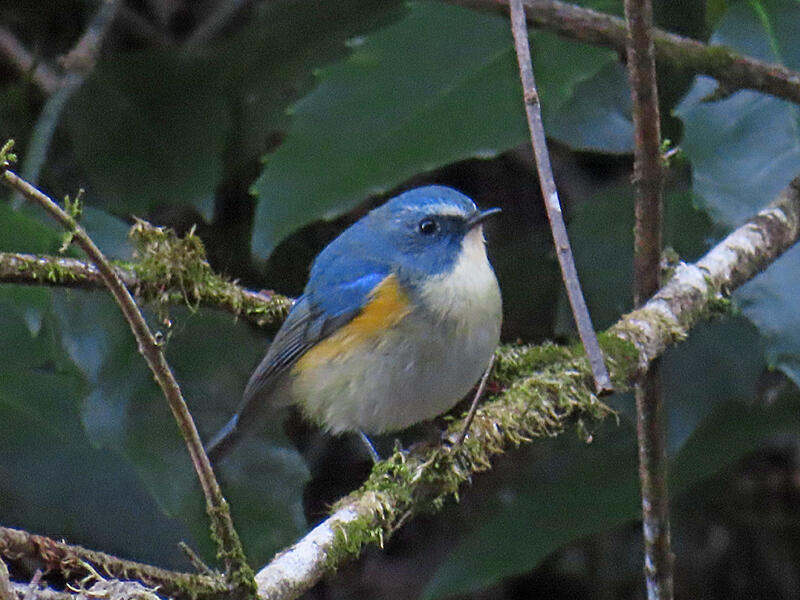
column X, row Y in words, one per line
column 412, row 372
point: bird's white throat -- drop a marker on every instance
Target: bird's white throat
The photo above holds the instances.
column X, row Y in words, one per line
column 469, row 293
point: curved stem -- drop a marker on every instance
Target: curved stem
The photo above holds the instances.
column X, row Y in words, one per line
column 223, row 531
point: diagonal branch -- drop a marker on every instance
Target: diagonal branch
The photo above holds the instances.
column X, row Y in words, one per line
column 47, row 79
column 78, row 62
column 230, row 549
column 733, row 71
column 532, row 404
column 552, row 204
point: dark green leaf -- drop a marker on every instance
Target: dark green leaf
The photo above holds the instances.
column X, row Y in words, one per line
column 744, row 150
column 149, row 129
column 212, row 358
column 580, row 489
column 53, row 481
column 22, row 233
column 602, row 238
column 161, row 127
column 409, row 99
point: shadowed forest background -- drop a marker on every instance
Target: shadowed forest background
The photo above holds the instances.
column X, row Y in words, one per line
column 270, row 128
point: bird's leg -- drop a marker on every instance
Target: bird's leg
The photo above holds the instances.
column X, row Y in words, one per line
column 370, row 447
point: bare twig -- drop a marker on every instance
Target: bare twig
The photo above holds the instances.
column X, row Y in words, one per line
column 552, row 204
column 83, row 55
column 733, row 71
column 474, row 406
column 666, row 319
column 206, row 31
column 648, row 178
column 18, row 55
column 647, row 169
column 63, row 558
column 138, row 26
column 78, row 63
column 264, row 309
column 222, row 525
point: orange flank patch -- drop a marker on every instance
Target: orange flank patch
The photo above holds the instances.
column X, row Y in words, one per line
column 387, row 305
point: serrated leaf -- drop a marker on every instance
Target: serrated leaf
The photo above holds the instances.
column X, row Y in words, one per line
column 409, row 99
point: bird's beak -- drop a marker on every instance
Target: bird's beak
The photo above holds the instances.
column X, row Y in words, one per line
column 480, row 216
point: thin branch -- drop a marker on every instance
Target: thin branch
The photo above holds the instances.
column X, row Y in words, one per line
column 650, row 413
column 647, row 167
column 20, row 57
column 733, row 71
column 206, row 31
column 222, row 525
column 671, row 313
column 83, row 55
column 264, row 309
column 138, row 26
column 552, row 203
column 78, row 63
column 59, row 557
column 422, row 481
column 473, row 408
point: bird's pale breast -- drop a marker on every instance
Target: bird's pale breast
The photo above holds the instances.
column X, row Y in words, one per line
column 402, row 361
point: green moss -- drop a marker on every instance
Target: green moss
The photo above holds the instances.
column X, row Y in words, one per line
column 622, row 358
column 717, row 304
column 7, row 157
column 45, row 269
column 241, row 578
column 352, row 537
column 541, row 390
column 172, row 269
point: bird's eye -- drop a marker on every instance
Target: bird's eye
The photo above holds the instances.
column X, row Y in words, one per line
column 428, row 226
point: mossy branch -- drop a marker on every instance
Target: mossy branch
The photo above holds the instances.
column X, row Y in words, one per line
column 166, row 270
column 74, row 562
column 543, row 389
column 733, row 70
column 238, row 573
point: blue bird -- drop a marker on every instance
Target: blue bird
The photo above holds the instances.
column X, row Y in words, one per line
column 399, row 318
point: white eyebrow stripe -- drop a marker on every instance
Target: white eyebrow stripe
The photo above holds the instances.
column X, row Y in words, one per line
column 442, row 208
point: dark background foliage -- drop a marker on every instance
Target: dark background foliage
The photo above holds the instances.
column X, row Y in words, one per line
column 272, row 137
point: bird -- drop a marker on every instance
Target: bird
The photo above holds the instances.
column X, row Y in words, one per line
column 399, row 318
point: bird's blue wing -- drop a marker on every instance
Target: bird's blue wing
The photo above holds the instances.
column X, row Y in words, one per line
column 330, row 301
column 327, row 304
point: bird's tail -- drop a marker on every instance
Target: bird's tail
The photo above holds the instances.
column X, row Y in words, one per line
column 225, row 439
